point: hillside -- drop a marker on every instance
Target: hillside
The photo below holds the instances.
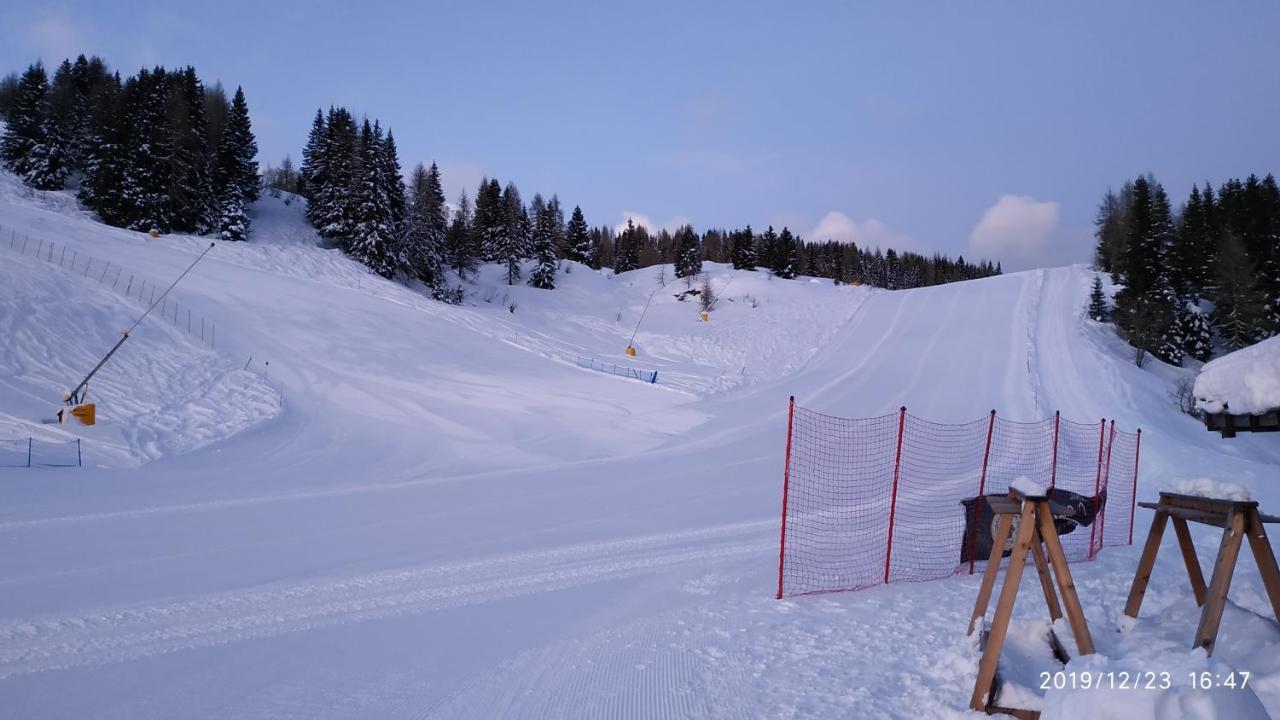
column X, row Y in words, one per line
column 447, row 517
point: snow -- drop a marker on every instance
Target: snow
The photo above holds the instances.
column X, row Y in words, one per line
column 448, row 518
column 1210, row 488
column 1028, row 487
column 1245, row 382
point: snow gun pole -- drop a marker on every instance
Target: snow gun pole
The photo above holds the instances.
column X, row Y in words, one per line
column 75, row 396
column 632, row 341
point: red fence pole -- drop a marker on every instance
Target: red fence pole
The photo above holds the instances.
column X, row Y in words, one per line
column 1097, row 488
column 982, row 488
column 893, row 499
column 1133, row 504
column 786, row 482
column 1053, row 474
column 1106, row 483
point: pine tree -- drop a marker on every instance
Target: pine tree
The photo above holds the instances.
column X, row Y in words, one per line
column 233, row 223
column 768, row 255
column 101, row 188
column 786, row 259
column 427, row 226
column 544, row 249
column 333, row 185
column 193, row 206
column 26, row 148
column 462, row 251
column 236, row 165
column 742, row 251
column 514, row 230
column 372, row 240
column 1197, row 335
column 688, row 252
column 148, row 147
column 312, row 173
column 1146, row 309
column 1099, row 309
column 489, row 223
column 1236, row 307
column 578, row 239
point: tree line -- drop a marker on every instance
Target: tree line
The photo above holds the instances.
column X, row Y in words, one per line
column 1205, row 278
column 350, row 175
column 155, row 151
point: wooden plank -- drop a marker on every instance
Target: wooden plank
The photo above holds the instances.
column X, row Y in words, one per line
column 1004, row 608
column 1223, row 569
column 1266, row 560
column 1015, row 712
column 1190, row 559
column 993, row 567
column 1071, row 601
column 1195, row 515
column 1046, row 583
column 1145, row 564
column 1003, row 505
column 1196, row 502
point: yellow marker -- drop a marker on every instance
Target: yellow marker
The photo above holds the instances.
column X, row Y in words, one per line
column 631, row 351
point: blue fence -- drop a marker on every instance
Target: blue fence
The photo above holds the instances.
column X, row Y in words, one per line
column 29, row 452
column 649, row 376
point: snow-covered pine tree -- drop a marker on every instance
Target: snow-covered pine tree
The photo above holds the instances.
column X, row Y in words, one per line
column 768, row 254
column 627, row 247
column 688, row 252
column 1236, row 307
column 372, row 240
column 1197, row 335
column 193, row 205
column 333, row 201
column 514, row 229
column 1099, row 308
column 27, row 148
column 786, row 255
column 1146, row 309
column 236, row 164
column 742, row 252
column 489, row 222
column 148, row 145
column 578, row 239
column 101, row 188
column 312, row 173
column 426, row 226
column 559, row 232
column 233, row 222
column 461, row 248
column 544, row 249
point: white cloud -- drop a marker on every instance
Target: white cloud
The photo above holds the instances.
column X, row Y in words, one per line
column 871, row 233
column 1022, row 232
column 671, row 225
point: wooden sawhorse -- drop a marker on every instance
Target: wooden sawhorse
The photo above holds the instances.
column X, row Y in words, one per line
column 1035, row 526
column 1238, row 520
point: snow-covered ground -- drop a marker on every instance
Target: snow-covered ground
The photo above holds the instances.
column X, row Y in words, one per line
column 448, row 518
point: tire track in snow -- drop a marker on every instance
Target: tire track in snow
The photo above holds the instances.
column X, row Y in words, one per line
column 117, row 634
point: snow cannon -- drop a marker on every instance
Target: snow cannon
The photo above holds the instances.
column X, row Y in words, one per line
column 631, row 351
column 86, row 413
column 705, row 316
column 154, row 233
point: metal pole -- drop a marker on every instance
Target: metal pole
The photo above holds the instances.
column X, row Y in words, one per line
column 28, row 451
column 893, row 499
column 786, row 483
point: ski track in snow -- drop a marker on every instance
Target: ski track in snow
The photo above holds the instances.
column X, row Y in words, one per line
column 117, row 634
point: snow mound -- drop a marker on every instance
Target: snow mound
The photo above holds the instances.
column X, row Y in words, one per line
column 1210, row 488
column 1246, row 382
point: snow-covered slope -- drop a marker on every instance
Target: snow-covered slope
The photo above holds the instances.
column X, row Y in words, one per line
column 450, row 519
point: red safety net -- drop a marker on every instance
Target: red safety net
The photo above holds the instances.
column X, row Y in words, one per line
column 876, row 500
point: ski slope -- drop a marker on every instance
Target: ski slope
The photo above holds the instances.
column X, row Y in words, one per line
column 448, row 518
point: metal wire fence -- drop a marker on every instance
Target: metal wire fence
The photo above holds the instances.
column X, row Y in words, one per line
column 29, row 452
column 869, row 501
column 649, row 376
column 116, row 277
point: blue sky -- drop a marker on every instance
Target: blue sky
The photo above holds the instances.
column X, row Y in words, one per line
column 978, row 128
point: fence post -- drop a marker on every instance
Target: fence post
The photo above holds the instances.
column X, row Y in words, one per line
column 213, row 331
column 1053, row 473
column 786, row 483
column 1133, row 503
column 79, row 454
column 982, row 489
column 28, row 451
column 1106, row 483
column 893, row 498
column 1097, row 488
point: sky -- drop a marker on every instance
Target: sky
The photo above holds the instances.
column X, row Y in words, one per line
column 986, row 129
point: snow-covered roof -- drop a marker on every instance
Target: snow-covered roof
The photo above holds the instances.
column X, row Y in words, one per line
column 1245, row 382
